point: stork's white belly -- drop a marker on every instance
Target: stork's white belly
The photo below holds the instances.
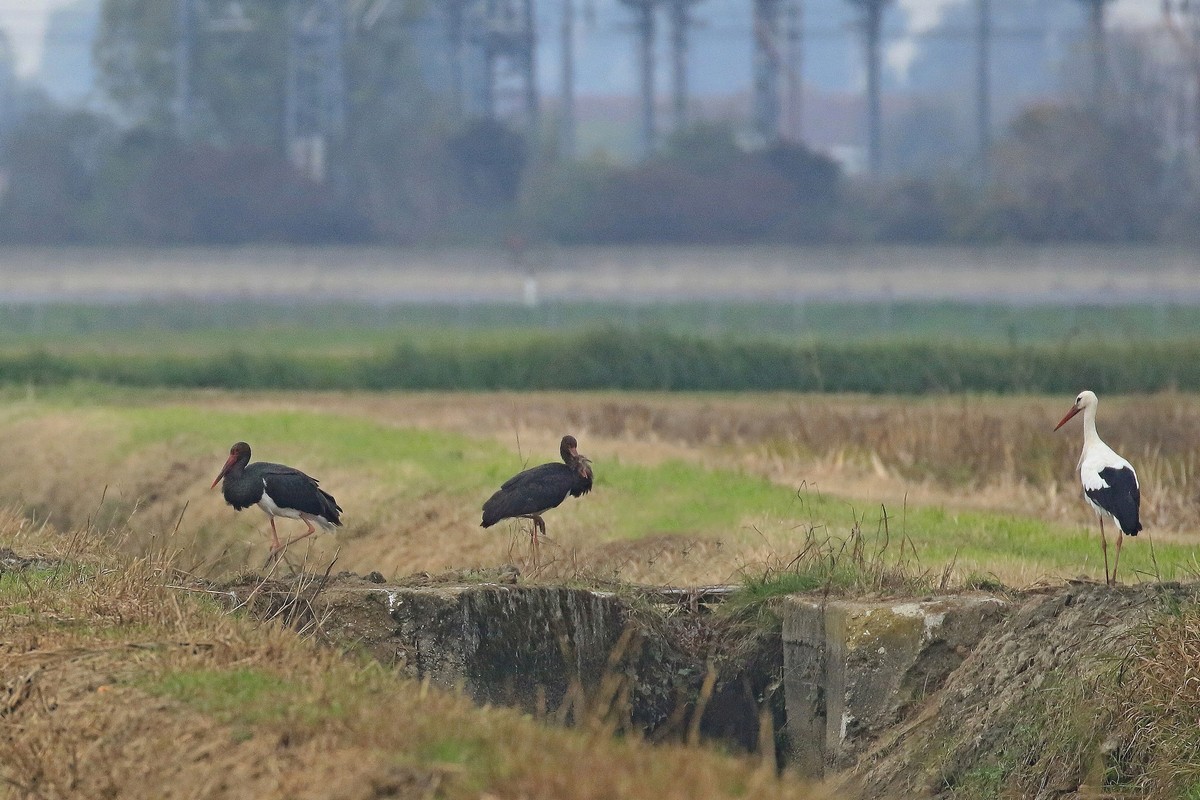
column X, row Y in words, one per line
column 268, row 505
column 1095, row 507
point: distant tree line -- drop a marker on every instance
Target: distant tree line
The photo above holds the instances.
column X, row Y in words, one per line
column 410, row 171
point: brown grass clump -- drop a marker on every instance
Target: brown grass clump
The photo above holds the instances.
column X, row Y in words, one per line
column 117, row 683
column 879, row 563
column 1154, row 742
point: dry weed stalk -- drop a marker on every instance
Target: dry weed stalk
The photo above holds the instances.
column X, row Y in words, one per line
column 607, row 708
column 882, row 563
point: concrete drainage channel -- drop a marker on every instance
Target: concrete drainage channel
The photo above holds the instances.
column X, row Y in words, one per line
column 813, row 681
column 853, row 669
column 658, row 662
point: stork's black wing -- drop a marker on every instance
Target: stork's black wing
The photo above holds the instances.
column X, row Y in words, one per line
column 1121, row 497
column 290, row 488
column 531, row 492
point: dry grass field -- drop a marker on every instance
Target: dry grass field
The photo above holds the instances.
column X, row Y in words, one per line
column 117, row 684
column 690, row 489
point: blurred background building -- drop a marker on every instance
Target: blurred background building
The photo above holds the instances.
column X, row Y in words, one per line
column 922, row 103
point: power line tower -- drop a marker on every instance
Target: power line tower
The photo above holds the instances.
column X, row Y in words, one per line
column 456, row 36
column 184, row 42
column 9, row 87
column 566, row 111
column 795, row 71
column 510, row 54
column 768, row 63
column 1182, row 21
column 196, row 22
column 872, row 25
column 567, row 114
column 983, row 88
column 645, row 27
column 680, row 16
column 315, row 96
column 1098, row 50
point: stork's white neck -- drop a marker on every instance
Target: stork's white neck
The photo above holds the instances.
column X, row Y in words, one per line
column 1090, row 437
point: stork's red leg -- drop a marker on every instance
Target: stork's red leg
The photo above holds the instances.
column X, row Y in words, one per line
column 1117, row 560
column 274, row 535
column 311, row 530
column 1104, row 547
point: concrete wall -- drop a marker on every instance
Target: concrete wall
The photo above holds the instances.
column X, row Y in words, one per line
column 853, row 669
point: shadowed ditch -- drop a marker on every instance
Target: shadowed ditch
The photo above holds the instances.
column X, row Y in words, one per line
column 662, row 664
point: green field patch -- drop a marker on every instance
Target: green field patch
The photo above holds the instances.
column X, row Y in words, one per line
column 458, row 750
column 395, row 465
column 677, row 497
column 418, row 460
column 25, row 586
column 18, row 586
column 239, row 696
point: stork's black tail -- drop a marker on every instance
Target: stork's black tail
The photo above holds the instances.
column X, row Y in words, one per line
column 330, row 510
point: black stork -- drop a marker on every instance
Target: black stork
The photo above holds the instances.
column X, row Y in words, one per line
column 529, row 494
column 1110, row 486
column 279, row 491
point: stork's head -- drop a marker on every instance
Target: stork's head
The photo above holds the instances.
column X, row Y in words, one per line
column 1086, row 399
column 569, row 450
column 240, row 452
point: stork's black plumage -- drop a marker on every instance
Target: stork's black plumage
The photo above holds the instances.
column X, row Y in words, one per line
column 280, row 491
column 1119, row 496
column 531, row 493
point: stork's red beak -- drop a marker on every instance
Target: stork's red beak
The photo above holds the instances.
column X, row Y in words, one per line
column 229, row 462
column 1074, row 410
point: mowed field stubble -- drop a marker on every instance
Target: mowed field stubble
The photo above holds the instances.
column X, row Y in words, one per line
column 690, row 489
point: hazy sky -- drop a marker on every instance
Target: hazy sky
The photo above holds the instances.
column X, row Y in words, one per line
column 925, row 14
column 25, row 21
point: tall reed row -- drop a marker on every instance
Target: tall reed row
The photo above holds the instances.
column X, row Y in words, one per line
column 645, row 360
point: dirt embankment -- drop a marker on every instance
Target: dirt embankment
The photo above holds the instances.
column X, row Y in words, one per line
column 1029, row 713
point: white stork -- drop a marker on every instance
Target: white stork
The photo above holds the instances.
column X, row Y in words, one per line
column 1110, row 486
